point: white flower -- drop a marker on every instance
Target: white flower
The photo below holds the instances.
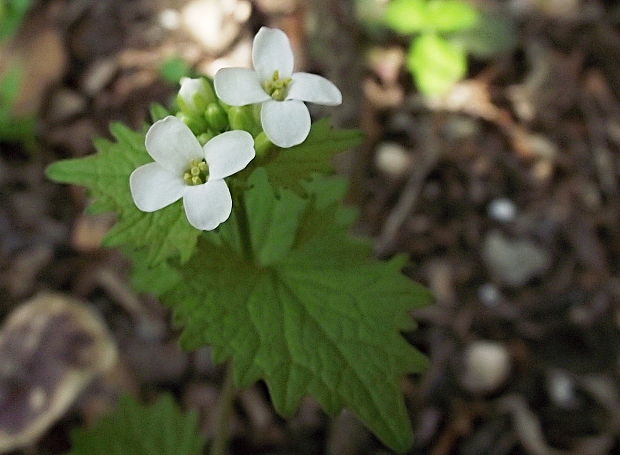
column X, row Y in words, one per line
column 184, row 169
column 284, row 116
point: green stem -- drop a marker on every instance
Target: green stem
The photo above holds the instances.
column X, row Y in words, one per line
column 224, row 411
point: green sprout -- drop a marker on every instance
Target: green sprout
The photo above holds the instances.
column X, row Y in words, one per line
column 445, row 32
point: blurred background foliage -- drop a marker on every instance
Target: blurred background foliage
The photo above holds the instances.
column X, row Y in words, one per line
column 13, row 128
column 445, row 33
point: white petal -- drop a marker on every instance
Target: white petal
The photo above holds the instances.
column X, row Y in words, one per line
column 286, row 123
column 228, row 153
column 172, row 144
column 314, row 89
column 154, row 187
column 272, row 51
column 239, row 86
column 207, row 205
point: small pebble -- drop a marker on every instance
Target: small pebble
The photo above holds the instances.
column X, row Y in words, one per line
column 561, row 389
column 392, row 159
column 486, row 366
column 502, row 210
column 488, row 294
column 514, row 261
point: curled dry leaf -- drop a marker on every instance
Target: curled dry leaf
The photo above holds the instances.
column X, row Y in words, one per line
column 51, row 347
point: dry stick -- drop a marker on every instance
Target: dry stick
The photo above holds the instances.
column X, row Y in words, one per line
column 597, row 131
column 224, row 411
column 405, row 205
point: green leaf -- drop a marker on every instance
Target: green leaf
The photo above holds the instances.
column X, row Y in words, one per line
column 12, row 13
column 450, row 15
column 493, row 34
column 163, row 234
column 306, row 309
column 436, row 64
column 289, row 167
column 155, row 280
column 14, row 128
column 158, row 112
column 414, row 16
column 10, row 83
column 159, row 429
column 173, row 69
column 406, row 16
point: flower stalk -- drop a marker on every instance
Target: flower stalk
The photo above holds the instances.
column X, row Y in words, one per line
column 224, row 411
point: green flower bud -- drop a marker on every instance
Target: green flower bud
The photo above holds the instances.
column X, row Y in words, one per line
column 262, row 145
column 196, row 124
column 195, row 95
column 242, row 118
column 216, row 117
column 205, row 137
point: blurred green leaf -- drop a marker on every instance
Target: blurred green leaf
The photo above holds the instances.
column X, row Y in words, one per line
column 158, row 112
column 18, row 130
column 173, row 69
column 413, row 16
column 10, row 82
column 493, row 34
column 12, row 14
column 450, row 15
column 406, row 16
column 14, row 129
column 436, row 64
column 159, row 429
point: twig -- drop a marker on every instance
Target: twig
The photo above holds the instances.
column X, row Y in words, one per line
column 595, row 124
column 405, row 205
column 222, row 418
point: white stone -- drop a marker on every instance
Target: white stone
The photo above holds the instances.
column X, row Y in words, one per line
column 488, row 294
column 486, row 366
column 561, row 388
column 514, row 261
column 392, row 159
column 502, row 210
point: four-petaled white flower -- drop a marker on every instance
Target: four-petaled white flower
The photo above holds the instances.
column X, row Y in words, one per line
column 284, row 116
column 184, row 169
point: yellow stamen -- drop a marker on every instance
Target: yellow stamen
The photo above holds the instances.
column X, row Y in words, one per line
column 277, row 88
column 197, row 173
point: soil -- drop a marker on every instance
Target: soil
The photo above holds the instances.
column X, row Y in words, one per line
column 504, row 194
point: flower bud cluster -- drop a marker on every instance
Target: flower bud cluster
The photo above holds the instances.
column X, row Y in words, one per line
column 206, row 115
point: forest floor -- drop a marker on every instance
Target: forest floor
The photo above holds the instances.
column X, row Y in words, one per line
column 504, row 194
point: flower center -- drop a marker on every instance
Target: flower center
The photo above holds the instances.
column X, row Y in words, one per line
column 276, row 87
column 197, row 173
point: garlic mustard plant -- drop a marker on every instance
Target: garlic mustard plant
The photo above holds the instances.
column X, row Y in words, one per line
column 280, row 290
column 184, row 169
column 284, row 116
